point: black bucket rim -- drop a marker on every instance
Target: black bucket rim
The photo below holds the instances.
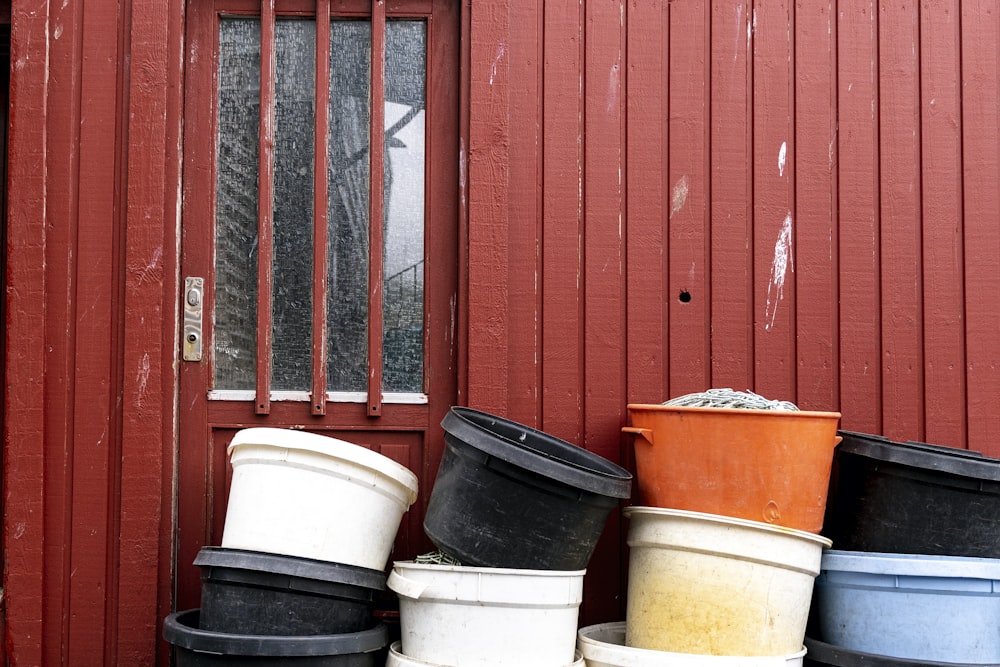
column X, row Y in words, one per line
column 845, row 657
column 591, row 472
column 181, row 629
column 298, row 567
column 920, row 455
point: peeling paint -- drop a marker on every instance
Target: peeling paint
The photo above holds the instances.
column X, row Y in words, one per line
column 782, row 263
column 501, row 50
column 679, row 196
column 613, row 87
column 141, row 379
column 781, row 158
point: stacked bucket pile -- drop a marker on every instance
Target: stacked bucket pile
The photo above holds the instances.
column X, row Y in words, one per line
column 520, row 511
column 724, row 537
column 308, row 531
column 915, row 579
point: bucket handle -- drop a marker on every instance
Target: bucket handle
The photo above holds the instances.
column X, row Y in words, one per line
column 644, row 433
column 405, row 587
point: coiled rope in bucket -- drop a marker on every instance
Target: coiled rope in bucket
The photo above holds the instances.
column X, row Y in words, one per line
column 729, row 398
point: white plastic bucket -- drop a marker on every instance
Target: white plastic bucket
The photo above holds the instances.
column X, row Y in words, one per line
column 487, row 616
column 716, row 585
column 923, row 607
column 397, row 659
column 309, row 495
column 604, row 646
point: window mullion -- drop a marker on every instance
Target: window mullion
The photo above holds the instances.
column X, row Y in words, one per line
column 321, row 206
column 265, row 207
column 376, row 204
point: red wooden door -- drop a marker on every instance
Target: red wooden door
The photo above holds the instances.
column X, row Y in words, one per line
column 298, row 311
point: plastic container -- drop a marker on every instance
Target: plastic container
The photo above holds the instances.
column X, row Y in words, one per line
column 308, row 495
column 944, row 608
column 913, row 498
column 255, row 593
column 715, row 585
column 193, row 647
column 487, row 617
column 507, row 495
column 821, row 654
column 604, row 646
column 771, row 466
column 397, row 659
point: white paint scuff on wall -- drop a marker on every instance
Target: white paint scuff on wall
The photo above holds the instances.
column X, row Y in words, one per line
column 679, row 196
column 781, row 158
column 501, row 50
column 782, row 263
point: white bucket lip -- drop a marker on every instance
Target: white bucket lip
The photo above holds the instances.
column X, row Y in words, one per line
column 912, row 565
column 397, row 657
column 471, row 569
column 280, row 438
column 595, row 649
column 721, row 520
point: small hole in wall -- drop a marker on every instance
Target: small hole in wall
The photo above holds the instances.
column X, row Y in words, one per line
column 684, row 296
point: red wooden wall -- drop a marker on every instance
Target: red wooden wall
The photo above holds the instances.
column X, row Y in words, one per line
column 793, row 197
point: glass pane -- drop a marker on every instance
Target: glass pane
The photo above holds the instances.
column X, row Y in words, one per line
column 403, row 304
column 295, row 80
column 347, row 300
column 235, row 334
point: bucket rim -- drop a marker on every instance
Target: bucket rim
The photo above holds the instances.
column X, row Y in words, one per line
column 797, row 414
column 720, row 519
column 937, row 459
column 298, row 567
column 181, row 629
column 479, row 569
column 586, row 638
column 845, row 657
column 592, row 473
column 325, row 445
column 910, row 565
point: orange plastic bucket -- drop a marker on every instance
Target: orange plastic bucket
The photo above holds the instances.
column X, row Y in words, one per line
column 760, row 465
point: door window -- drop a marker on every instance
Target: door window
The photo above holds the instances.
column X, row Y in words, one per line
column 297, row 255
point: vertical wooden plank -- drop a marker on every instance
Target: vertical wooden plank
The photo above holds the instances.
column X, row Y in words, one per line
column 899, row 168
column 858, row 204
column 646, row 204
column 774, row 221
column 25, row 409
column 688, row 296
column 265, row 206
column 980, row 30
column 563, row 208
column 816, row 320
column 321, row 206
column 488, row 194
column 603, row 277
column 151, row 331
column 96, row 448
column 524, row 57
column 62, row 213
column 941, row 172
column 376, row 209
column 732, row 195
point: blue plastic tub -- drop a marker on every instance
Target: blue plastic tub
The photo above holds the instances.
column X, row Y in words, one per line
column 944, row 608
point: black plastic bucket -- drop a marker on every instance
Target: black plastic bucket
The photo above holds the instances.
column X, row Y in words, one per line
column 257, row 593
column 913, row 498
column 507, row 495
column 194, row 647
column 819, row 654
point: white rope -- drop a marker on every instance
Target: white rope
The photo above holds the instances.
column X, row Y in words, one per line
column 728, row 398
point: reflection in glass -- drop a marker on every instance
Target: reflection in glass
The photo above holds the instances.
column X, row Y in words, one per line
column 295, row 76
column 347, row 300
column 403, row 304
column 235, row 333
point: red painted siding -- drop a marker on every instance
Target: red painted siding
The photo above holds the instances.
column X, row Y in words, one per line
column 657, row 197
